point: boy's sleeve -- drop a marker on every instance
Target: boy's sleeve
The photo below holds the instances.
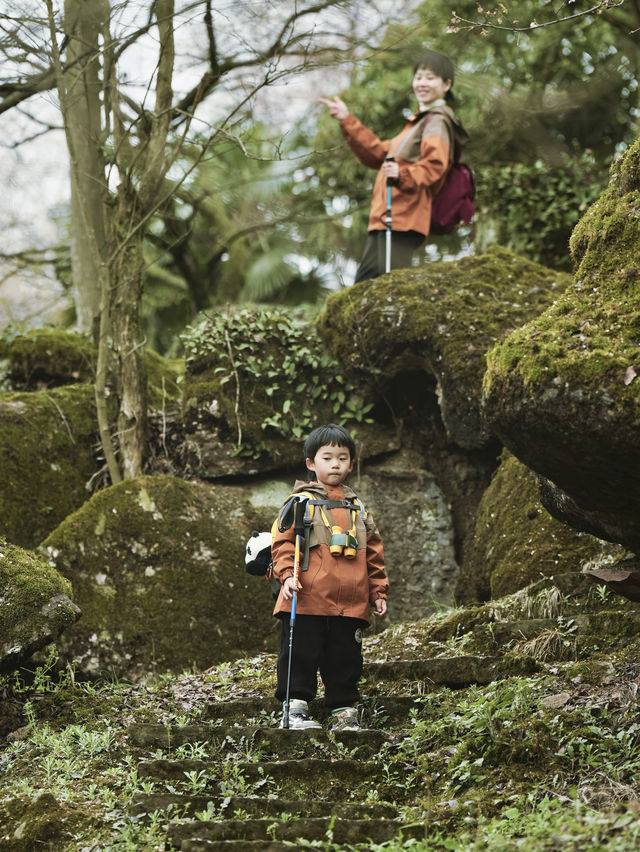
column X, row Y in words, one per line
column 378, row 582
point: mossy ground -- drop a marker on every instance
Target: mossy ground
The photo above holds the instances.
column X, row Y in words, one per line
column 534, row 763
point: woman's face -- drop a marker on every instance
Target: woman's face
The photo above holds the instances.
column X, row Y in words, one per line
column 428, row 87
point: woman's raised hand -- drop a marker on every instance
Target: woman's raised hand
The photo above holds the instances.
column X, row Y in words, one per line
column 337, row 107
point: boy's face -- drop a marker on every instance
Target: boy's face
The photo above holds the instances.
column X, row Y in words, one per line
column 331, row 464
column 428, row 86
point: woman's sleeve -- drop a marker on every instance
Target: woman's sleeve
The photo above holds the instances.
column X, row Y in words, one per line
column 364, row 143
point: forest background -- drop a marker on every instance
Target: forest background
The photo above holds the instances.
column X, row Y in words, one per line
column 203, row 173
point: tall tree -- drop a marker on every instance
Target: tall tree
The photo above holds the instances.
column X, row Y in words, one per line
column 127, row 113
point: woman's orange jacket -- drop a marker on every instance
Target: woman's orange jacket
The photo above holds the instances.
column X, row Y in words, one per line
column 424, row 152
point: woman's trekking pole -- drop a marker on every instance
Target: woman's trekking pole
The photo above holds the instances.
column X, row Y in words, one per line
column 292, row 622
column 387, row 259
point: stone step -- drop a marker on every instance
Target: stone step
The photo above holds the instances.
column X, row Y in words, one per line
column 455, row 672
column 266, row 740
column 308, row 777
column 376, row 711
column 501, row 633
column 257, row 806
column 319, row 828
column 194, row 845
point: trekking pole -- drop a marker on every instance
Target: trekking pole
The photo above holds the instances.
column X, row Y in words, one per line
column 387, row 260
column 292, row 623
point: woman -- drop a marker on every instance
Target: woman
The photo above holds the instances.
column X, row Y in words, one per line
column 415, row 162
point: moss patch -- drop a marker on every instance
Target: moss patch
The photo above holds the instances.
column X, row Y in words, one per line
column 47, row 441
column 34, row 604
column 515, row 540
column 563, row 391
column 46, row 357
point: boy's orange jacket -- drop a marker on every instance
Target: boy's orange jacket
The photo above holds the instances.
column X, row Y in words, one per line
column 332, row 585
column 423, row 151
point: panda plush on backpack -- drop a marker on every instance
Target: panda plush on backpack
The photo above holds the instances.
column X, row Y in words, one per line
column 257, row 559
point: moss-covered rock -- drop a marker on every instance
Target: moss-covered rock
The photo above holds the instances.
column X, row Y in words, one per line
column 439, row 320
column 38, row 823
column 256, row 382
column 156, row 565
column 51, row 357
column 46, row 357
column 163, row 374
column 515, row 540
column 563, row 391
column 35, row 605
column 47, row 441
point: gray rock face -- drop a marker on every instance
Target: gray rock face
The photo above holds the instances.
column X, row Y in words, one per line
column 416, row 526
column 35, row 605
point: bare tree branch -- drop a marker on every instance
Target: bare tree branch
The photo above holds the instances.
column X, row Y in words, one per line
column 488, row 23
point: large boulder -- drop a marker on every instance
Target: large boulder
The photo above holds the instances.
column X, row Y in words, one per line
column 515, row 541
column 435, row 324
column 46, row 357
column 156, row 565
column 563, row 391
column 47, row 457
column 35, row 605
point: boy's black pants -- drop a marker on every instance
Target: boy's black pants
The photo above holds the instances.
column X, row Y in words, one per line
column 330, row 644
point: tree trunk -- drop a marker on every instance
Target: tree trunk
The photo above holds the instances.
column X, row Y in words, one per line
column 126, row 331
column 84, row 20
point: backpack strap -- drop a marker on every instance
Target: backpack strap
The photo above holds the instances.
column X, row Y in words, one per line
column 298, row 511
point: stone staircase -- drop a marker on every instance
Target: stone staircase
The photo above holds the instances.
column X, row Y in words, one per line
column 237, row 781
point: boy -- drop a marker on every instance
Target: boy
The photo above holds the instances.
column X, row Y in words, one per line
column 336, row 589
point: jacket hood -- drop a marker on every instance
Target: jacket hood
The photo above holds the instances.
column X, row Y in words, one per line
column 460, row 135
column 320, row 490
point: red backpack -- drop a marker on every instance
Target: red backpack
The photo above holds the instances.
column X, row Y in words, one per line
column 453, row 205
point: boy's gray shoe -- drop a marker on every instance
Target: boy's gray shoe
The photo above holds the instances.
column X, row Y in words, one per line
column 345, row 719
column 298, row 715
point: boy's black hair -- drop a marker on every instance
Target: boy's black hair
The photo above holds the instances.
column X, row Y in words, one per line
column 331, row 435
column 439, row 64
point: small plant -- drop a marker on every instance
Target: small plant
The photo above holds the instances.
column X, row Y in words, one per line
column 198, row 781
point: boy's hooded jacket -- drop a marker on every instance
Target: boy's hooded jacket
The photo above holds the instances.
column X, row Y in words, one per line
column 332, row 585
column 424, row 150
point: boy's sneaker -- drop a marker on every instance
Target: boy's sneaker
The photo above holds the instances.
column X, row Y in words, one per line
column 298, row 715
column 345, row 719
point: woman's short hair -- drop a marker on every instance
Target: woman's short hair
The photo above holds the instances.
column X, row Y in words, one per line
column 431, row 60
